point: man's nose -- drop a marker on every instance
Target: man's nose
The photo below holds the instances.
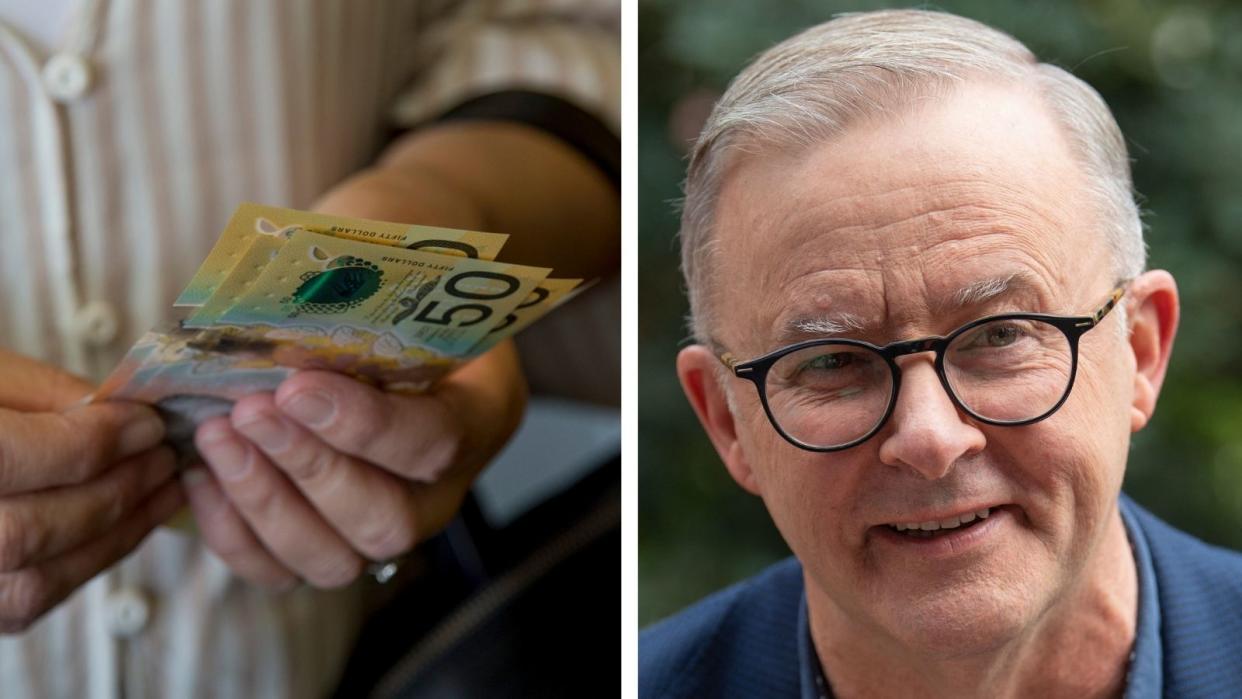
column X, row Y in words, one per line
column 926, row 432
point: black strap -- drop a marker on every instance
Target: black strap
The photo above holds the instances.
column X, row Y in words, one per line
column 556, row 116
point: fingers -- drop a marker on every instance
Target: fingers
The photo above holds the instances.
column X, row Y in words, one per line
column 29, row 385
column 488, row 396
column 38, row 526
column 45, row 450
column 303, row 461
column 278, row 515
column 228, row 536
column 27, row 594
column 369, row 507
column 417, row 437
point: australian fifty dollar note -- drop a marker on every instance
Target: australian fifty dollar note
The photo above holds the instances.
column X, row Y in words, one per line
column 253, row 223
column 394, row 305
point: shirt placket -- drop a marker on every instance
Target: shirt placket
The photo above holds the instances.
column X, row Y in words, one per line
column 65, row 77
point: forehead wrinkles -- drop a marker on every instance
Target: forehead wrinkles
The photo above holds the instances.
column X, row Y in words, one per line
column 907, row 280
column 885, row 282
column 886, row 205
column 895, row 209
column 907, row 269
column 898, row 291
column 915, row 214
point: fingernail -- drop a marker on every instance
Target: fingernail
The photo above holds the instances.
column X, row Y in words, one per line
column 229, row 458
column 193, row 477
column 139, row 436
column 270, row 433
column 311, row 408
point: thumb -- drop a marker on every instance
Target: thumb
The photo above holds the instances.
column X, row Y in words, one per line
column 41, row 450
column 28, row 385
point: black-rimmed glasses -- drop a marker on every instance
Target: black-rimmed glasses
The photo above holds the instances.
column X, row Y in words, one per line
column 1009, row 369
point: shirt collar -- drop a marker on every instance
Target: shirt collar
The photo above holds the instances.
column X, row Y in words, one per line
column 1144, row 677
column 810, row 672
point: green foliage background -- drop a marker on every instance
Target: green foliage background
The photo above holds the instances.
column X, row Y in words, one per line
column 1172, row 73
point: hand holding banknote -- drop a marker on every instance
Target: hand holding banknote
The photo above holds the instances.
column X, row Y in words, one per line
column 80, row 486
column 363, row 471
column 326, row 473
column 398, row 332
column 286, row 297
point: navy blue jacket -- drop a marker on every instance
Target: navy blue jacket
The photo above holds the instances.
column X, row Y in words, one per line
column 743, row 642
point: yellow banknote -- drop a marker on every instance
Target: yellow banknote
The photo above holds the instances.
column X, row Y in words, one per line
column 436, row 302
column 251, row 222
column 248, row 266
column 549, row 294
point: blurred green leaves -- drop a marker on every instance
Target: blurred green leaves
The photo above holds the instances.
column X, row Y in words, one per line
column 1172, row 73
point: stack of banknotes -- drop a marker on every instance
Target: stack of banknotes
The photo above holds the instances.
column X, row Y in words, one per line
column 397, row 306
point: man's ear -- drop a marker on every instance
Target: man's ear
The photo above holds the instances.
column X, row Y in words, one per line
column 700, row 379
column 1153, row 313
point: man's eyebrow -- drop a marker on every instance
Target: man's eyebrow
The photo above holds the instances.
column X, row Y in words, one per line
column 985, row 290
column 826, row 325
column 974, row 294
column 832, row 324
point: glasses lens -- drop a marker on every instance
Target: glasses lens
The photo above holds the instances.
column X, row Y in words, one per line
column 1009, row 370
column 829, row 395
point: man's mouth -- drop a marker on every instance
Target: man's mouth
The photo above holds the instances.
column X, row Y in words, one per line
column 935, row 528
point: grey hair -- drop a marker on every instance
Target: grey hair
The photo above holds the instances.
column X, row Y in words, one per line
column 816, row 84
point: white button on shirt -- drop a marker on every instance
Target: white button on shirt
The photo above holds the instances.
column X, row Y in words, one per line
column 95, row 324
column 128, row 612
column 127, row 137
column 67, row 77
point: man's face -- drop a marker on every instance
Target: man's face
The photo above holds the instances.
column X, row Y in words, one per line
column 888, row 223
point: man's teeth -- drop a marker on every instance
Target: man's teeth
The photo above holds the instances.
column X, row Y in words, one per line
column 950, row 523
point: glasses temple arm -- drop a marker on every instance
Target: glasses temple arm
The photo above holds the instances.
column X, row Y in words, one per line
column 1113, row 298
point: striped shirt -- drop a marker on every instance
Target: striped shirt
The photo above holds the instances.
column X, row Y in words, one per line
column 127, row 136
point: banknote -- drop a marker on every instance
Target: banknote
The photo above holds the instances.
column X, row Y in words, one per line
column 188, row 381
column 193, row 374
column 247, row 267
column 173, row 362
column 440, row 303
column 229, row 362
column 548, row 295
column 255, row 221
column 395, row 306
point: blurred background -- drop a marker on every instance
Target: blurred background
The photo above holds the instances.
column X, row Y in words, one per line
column 1172, row 73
